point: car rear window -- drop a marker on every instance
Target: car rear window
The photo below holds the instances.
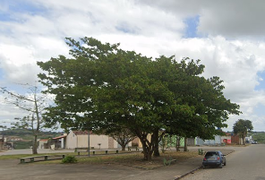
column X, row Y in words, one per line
column 211, row 154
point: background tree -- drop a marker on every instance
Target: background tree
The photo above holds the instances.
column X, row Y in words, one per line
column 123, row 136
column 107, row 87
column 242, row 127
column 33, row 103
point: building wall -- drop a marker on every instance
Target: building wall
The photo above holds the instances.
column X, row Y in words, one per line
column 111, row 142
column 199, row 141
column 190, row 142
column 226, row 139
column 71, row 141
column 236, row 140
column 215, row 141
column 42, row 144
column 81, row 141
column 95, row 140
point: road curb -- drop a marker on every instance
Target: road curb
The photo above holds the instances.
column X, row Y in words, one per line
column 190, row 172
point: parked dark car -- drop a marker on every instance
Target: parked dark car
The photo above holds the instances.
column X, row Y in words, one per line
column 214, row 159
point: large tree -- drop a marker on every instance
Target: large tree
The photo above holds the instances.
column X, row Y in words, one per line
column 105, row 87
column 242, row 127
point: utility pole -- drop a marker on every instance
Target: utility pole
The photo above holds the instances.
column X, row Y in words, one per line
column 88, row 147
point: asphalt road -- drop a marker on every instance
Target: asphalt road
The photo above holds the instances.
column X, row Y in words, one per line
column 244, row 164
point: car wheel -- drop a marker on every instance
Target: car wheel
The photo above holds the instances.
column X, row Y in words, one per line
column 224, row 163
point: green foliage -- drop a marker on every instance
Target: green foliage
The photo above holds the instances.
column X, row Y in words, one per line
column 22, row 144
column 26, row 136
column 105, row 88
column 28, row 132
column 259, row 137
column 242, row 127
column 69, row 159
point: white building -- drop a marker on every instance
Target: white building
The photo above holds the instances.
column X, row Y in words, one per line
column 79, row 139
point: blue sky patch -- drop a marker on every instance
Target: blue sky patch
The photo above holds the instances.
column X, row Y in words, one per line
column 5, row 17
column 191, row 26
column 19, row 6
column 125, row 28
column 23, row 6
column 259, row 110
column 261, row 85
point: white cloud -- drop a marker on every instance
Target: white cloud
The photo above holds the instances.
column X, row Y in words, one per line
column 232, row 44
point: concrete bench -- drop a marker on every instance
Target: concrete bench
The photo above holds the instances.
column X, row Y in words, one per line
column 79, row 150
column 41, row 158
column 133, row 147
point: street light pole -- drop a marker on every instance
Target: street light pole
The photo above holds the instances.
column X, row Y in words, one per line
column 88, row 147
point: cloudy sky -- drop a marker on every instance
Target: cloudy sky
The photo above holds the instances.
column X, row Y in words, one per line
column 227, row 36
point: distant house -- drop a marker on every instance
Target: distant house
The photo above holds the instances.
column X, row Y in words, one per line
column 59, row 142
column 236, row 139
column 79, row 139
column 43, row 144
column 227, row 138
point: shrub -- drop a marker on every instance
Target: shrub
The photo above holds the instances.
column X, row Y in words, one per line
column 69, row 159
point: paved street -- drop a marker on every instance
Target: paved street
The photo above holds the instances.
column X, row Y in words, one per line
column 244, row 164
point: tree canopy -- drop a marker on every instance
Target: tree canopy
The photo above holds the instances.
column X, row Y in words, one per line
column 104, row 87
column 242, row 127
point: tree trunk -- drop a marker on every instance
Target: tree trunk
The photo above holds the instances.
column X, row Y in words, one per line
column 148, row 147
column 177, row 143
column 35, row 145
column 123, row 146
column 243, row 139
column 185, row 144
column 156, row 144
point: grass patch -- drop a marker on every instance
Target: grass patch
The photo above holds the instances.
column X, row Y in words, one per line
column 136, row 160
column 69, row 159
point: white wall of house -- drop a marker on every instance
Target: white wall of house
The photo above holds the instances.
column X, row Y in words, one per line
column 42, row 144
column 198, row 141
column 71, row 141
column 95, row 140
column 81, row 140
column 217, row 140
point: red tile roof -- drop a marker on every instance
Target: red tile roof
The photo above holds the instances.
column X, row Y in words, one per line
column 81, row 132
column 44, row 140
column 59, row 137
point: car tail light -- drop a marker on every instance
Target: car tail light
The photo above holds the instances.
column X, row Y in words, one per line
column 218, row 158
column 204, row 159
